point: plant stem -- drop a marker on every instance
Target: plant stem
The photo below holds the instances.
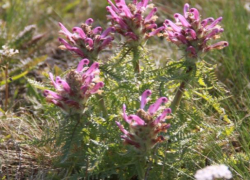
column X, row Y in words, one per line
column 102, row 105
column 177, row 99
column 136, row 57
column 6, row 86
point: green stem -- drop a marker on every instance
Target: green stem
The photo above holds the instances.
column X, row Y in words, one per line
column 178, row 96
column 102, row 105
column 136, row 57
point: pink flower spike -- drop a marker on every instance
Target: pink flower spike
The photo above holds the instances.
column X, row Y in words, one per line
column 65, row 85
column 185, row 10
column 150, row 15
column 92, row 68
column 154, row 107
column 81, row 64
column 89, row 21
column 182, row 19
column 80, row 32
column 96, row 87
column 144, row 96
column 195, row 13
column 97, row 30
column 214, row 23
column 173, row 25
column 137, row 119
column 121, row 128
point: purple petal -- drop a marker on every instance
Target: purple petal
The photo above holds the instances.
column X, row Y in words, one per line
column 113, row 6
column 124, row 115
column 192, row 50
column 182, row 19
column 154, row 107
column 150, row 15
column 80, row 32
column 214, row 23
column 206, row 21
column 112, row 12
column 185, row 10
column 53, row 94
column 53, row 82
column 192, row 33
column 121, row 128
column 162, row 116
column 97, row 30
column 96, row 87
column 155, row 32
column 107, row 32
column 144, row 96
column 92, row 68
column 137, row 119
column 69, row 47
column 81, row 64
column 173, row 25
column 181, row 38
column 65, row 30
column 195, row 13
column 65, row 85
column 106, row 42
column 129, row 141
column 131, row 35
column 218, row 45
column 89, row 21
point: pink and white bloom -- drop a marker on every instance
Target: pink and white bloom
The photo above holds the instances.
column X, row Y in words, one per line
column 192, row 33
column 135, row 21
column 145, row 125
column 86, row 41
column 71, row 94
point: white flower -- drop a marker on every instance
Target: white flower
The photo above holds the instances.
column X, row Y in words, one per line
column 247, row 7
column 212, row 172
column 6, row 51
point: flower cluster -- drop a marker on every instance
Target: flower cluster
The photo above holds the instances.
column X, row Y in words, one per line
column 8, row 52
column 192, row 33
column 72, row 94
column 85, row 41
column 144, row 128
column 213, row 172
column 129, row 20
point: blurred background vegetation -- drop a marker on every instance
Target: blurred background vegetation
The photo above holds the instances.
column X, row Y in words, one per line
column 31, row 26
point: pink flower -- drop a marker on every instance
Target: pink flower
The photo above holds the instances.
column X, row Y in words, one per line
column 71, row 95
column 144, row 126
column 131, row 21
column 192, row 33
column 85, row 41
